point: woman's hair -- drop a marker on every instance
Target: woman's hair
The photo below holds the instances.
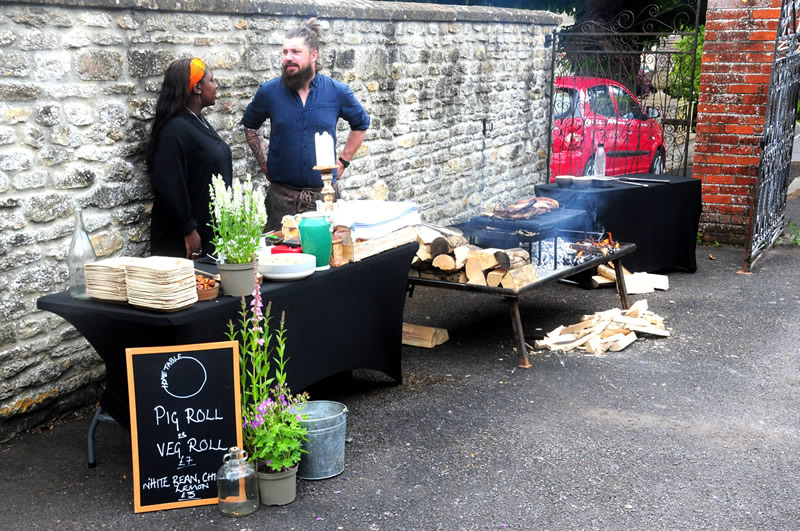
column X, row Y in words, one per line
column 174, row 96
column 311, row 33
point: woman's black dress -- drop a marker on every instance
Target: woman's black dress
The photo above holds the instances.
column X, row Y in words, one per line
column 188, row 152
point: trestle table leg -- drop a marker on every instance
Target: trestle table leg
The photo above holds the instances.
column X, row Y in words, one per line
column 519, row 335
column 98, row 416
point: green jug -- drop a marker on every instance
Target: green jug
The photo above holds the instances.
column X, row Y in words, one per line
column 315, row 237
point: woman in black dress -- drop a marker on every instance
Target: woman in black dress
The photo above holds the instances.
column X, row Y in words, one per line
column 183, row 153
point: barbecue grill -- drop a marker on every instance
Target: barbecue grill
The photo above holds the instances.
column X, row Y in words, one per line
column 504, row 233
column 490, row 231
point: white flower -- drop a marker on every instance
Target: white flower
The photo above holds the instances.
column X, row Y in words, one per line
column 238, row 218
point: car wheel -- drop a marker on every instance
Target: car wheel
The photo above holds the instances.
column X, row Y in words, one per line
column 657, row 167
column 589, row 168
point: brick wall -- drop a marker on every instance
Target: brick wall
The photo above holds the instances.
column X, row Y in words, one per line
column 457, row 97
column 737, row 61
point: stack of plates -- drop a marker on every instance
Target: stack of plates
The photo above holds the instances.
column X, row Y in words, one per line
column 105, row 280
column 161, row 283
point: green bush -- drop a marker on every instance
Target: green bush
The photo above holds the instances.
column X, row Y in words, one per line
column 680, row 75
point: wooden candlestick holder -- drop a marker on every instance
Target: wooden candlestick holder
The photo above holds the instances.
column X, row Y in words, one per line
column 328, row 192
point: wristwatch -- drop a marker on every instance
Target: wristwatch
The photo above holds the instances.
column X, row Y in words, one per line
column 345, row 163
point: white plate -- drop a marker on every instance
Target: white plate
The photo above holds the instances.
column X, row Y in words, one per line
column 285, row 263
column 288, row 276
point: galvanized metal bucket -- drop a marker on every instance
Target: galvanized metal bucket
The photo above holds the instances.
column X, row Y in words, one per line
column 326, row 422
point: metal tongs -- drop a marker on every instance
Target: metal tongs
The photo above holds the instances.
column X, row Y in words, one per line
column 634, row 183
column 644, row 180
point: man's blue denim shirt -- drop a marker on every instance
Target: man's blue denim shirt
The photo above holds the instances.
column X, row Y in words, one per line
column 292, row 153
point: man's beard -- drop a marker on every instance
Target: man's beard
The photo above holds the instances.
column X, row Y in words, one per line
column 297, row 80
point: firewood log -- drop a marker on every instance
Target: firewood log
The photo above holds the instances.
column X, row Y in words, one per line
column 517, row 278
column 426, row 234
column 423, row 336
column 495, row 277
column 486, row 257
column 446, row 244
column 462, row 252
column 474, row 270
column 424, row 252
column 517, row 257
column 503, row 261
column 445, row 262
column 447, row 276
column 511, row 258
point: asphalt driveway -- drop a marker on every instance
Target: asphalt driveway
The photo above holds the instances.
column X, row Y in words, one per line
column 699, row 430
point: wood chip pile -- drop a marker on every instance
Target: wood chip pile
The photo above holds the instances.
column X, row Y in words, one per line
column 610, row 330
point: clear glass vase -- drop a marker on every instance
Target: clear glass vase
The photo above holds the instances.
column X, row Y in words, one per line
column 81, row 253
column 237, row 484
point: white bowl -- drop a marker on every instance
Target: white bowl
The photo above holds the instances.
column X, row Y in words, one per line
column 564, row 180
column 286, row 266
column 582, row 182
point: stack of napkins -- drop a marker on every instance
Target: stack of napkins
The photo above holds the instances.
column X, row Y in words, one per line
column 161, row 283
column 368, row 219
column 105, row 279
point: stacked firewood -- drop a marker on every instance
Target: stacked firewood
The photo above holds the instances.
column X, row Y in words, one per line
column 445, row 254
column 610, row 330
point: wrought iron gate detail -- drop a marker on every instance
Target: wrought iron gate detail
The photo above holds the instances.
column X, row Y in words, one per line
column 587, row 106
column 772, row 183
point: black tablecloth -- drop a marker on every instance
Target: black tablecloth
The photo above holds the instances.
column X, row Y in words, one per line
column 661, row 219
column 345, row 318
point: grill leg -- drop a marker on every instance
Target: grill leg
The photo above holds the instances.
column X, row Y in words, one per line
column 519, row 335
column 623, row 291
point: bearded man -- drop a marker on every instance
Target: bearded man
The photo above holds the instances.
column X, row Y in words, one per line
column 299, row 104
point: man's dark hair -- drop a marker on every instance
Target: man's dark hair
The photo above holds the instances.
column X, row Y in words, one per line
column 311, row 33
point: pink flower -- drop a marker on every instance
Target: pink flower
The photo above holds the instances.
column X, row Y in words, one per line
column 256, row 303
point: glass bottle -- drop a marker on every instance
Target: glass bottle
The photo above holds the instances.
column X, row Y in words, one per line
column 237, row 484
column 600, row 161
column 81, row 252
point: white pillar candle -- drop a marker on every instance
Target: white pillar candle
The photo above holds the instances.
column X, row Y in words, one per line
column 323, row 142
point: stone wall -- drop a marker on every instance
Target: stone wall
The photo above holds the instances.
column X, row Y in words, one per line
column 456, row 95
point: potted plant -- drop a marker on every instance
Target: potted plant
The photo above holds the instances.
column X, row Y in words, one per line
column 238, row 216
column 273, row 434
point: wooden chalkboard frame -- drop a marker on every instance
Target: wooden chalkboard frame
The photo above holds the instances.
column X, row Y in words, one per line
column 178, row 351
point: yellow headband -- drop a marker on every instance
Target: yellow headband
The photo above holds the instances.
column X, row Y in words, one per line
column 197, row 69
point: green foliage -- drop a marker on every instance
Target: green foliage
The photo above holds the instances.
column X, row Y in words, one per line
column 680, row 76
column 699, row 238
column 794, row 234
column 273, row 433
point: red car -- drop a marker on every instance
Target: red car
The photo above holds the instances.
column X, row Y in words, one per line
column 590, row 110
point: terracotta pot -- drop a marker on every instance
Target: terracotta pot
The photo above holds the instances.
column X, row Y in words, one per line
column 277, row 488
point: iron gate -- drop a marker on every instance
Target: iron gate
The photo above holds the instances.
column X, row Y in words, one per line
column 769, row 201
column 599, row 71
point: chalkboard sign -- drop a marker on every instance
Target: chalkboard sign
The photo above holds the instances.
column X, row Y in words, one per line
column 185, row 413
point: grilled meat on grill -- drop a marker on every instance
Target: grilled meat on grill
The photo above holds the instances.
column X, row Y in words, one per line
column 525, row 208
